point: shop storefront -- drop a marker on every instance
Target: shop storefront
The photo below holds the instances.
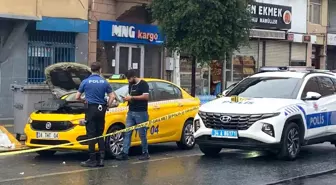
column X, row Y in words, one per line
column 331, row 52
column 130, row 46
column 268, row 45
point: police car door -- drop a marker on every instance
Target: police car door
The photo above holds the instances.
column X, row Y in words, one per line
column 315, row 110
column 329, row 100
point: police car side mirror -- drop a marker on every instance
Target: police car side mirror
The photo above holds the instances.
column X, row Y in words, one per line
column 312, row 96
column 225, row 92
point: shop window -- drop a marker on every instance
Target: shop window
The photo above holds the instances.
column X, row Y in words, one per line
column 166, row 91
column 243, row 66
column 326, row 86
column 315, row 11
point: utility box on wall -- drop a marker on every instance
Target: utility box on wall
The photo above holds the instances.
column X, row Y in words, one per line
column 169, row 63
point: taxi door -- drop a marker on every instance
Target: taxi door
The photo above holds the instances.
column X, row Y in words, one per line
column 153, row 112
column 167, row 103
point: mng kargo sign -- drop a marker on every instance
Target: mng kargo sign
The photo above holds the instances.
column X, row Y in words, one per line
column 122, row 32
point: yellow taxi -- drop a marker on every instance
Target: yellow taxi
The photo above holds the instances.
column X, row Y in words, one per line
column 61, row 120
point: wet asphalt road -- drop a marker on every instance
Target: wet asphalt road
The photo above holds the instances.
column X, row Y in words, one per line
column 168, row 165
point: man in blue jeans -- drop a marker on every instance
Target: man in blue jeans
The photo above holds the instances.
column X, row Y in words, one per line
column 137, row 113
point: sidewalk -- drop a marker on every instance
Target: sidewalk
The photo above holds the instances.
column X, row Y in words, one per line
column 18, row 145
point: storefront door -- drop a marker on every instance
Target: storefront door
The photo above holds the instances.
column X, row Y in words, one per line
column 129, row 57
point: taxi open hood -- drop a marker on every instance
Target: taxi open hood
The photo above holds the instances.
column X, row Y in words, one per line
column 250, row 106
column 63, row 78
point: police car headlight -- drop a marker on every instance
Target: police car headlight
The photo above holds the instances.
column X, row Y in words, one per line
column 268, row 129
column 197, row 124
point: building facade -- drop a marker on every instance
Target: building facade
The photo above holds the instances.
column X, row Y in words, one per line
column 331, row 37
column 279, row 38
column 35, row 34
column 317, row 33
column 122, row 36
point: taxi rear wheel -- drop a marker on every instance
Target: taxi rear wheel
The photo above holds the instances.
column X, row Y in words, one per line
column 114, row 143
column 46, row 153
column 187, row 141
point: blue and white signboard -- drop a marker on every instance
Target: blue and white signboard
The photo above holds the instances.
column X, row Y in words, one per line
column 114, row 31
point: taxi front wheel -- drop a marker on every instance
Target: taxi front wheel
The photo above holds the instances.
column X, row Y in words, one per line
column 187, row 141
column 114, row 143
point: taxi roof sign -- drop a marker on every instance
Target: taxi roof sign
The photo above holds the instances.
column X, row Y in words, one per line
column 117, row 77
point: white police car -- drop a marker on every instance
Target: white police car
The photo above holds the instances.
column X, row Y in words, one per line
column 278, row 111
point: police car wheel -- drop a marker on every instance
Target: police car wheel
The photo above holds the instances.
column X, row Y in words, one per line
column 187, row 141
column 46, row 153
column 290, row 142
column 114, row 143
column 209, row 150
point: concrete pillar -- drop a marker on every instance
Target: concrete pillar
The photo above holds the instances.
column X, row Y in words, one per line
column 16, row 34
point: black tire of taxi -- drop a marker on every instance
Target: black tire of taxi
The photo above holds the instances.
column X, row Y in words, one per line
column 46, row 153
column 187, row 141
column 108, row 149
column 290, row 142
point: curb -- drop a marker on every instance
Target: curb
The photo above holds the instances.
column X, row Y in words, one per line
column 302, row 177
column 12, row 150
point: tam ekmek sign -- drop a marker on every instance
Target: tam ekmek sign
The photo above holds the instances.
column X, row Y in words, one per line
column 271, row 16
column 121, row 32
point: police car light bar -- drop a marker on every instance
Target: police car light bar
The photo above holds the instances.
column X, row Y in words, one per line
column 285, row 68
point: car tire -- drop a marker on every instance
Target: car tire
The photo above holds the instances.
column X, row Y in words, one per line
column 114, row 143
column 210, row 150
column 290, row 142
column 187, row 141
column 46, row 153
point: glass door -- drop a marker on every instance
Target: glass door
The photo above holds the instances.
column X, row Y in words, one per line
column 130, row 57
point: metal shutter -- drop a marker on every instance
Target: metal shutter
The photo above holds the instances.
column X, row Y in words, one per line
column 298, row 51
column 277, row 53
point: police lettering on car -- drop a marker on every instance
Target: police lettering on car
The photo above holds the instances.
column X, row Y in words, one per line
column 95, row 87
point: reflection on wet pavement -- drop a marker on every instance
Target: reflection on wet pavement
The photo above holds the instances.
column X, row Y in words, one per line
column 169, row 166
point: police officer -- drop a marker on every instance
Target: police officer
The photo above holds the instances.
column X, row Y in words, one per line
column 95, row 87
column 138, row 90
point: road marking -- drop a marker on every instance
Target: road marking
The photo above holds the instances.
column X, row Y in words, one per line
column 302, row 177
column 90, row 169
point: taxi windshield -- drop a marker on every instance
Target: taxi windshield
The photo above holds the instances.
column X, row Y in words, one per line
column 266, row 87
column 115, row 87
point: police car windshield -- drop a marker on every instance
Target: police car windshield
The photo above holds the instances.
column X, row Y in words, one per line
column 266, row 87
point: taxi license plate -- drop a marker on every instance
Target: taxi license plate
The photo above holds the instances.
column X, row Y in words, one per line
column 232, row 134
column 47, row 135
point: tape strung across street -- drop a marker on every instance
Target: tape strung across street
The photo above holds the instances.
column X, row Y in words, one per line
column 145, row 124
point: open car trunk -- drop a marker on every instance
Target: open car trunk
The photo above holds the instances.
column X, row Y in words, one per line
column 62, row 79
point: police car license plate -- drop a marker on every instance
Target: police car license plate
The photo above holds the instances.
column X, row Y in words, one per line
column 232, row 134
column 47, row 135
